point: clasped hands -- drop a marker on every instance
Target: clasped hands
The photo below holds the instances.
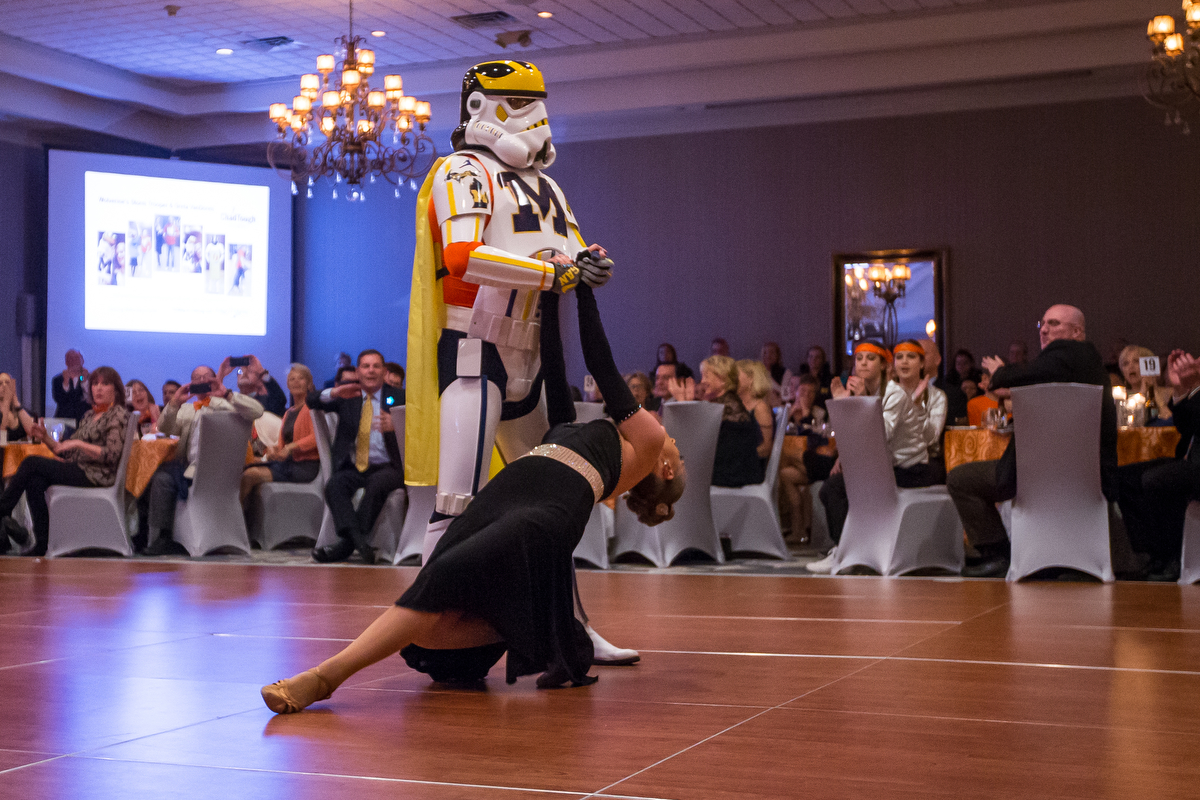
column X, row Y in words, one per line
column 591, row 266
column 1183, row 373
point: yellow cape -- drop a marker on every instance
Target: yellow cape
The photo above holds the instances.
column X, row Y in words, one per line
column 426, row 318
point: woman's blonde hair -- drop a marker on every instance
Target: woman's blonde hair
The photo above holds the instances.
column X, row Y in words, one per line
column 7, row 410
column 725, row 368
column 760, row 381
column 307, row 375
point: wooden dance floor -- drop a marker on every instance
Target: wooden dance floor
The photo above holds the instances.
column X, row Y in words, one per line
column 140, row 680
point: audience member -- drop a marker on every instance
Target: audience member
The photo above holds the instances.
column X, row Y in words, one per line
column 720, row 347
column 169, row 388
column 737, row 462
column 253, row 380
column 1018, row 352
column 365, row 456
column 978, row 405
column 69, row 389
column 929, row 402
column 666, row 355
column 139, row 399
column 641, row 389
column 664, row 376
column 1154, row 495
column 172, row 480
column 1152, row 388
column 340, row 365
column 753, row 387
column 294, row 459
column 772, row 359
column 956, row 401
column 976, row 488
column 393, row 375
column 964, row 368
column 817, row 364
column 15, row 421
column 796, row 473
column 89, row 458
column 905, row 424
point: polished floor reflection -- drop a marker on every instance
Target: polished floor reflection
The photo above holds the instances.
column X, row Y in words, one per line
column 140, row 679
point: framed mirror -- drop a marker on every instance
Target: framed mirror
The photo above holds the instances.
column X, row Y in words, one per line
column 888, row 296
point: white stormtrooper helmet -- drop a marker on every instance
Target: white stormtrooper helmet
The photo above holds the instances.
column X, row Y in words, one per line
column 503, row 110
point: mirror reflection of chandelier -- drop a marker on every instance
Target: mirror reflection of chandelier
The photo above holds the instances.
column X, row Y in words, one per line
column 354, row 122
column 1172, row 80
column 886, row 281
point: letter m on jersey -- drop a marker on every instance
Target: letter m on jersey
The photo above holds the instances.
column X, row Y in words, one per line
column 528, row 219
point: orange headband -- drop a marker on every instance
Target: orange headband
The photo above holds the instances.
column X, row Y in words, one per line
column 909, row 347
column 871, row 347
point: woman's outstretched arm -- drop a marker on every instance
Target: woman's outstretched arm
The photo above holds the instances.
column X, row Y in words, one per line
column 560, row 406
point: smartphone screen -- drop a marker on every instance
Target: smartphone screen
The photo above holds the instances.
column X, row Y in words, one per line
column 239, row 361
column 200, row 388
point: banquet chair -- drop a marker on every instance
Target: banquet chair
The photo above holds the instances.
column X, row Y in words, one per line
column 593, row 546
column 1059, row 515
column 211, row 518
column 92, row 517
column 695, row 426
column 1189, row 571
column 388, row 536
column 588, row 412
column 890, row 530
column 285, row 512
column 819, row 538
column 748, row 516
column 268, row 428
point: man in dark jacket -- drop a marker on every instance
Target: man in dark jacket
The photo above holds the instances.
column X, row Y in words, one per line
column 1155, row 494
column 365, row 455
column 1066, row 357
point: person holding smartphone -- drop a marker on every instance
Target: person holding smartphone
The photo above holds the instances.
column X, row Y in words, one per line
column 365, row 455
column 254, row 380
column 206, row 393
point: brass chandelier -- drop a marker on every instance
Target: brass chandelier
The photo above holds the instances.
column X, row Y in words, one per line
column 1172, row 80
column 353, row 122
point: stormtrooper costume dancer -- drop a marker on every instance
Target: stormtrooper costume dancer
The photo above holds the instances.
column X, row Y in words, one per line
column 498, row 232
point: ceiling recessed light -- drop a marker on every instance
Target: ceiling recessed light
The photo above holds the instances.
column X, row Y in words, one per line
column 378, row 33
column 545, row 14
column 224, row 51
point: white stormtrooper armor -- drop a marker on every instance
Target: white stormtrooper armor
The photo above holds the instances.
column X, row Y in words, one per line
column 499, row 221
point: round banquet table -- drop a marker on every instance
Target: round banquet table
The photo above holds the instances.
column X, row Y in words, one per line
column 147, row 455
column 964, row 445
column 794, row 447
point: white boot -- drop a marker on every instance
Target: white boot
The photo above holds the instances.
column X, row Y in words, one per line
column 825, row 565
column 609, row 655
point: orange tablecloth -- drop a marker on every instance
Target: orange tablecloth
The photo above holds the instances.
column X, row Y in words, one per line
column 147, row 456
column 14, row 454
column 794, row 447
column 1133, row 445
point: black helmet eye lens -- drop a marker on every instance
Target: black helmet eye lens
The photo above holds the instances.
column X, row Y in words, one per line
column 518, row 102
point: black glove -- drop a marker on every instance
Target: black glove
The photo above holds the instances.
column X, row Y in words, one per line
column 566, row 277
column 595, row 270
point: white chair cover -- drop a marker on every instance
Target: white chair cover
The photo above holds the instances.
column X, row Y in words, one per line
column 92, row 517
column 890, row 530
column 1189, row 571
column 695, row 426
column 211, row 518
column 748, row 516
column 286, row 512
column 269, row 428
column 587, row 412
column 593, row 547
column 1059, row 516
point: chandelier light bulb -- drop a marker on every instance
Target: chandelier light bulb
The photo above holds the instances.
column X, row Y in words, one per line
column 1173, row 44
column 404, row 124
column 376, row 99
column 278, row 111
column 366, row 61
column 901, row 272
column 393, row 83
column 875, row 273
column 862, row 284
column 1160, row 27
column 331, row 99
column 1193, row 16
column 423, row 111
column 326, row 125
column 364, row 126
column 301, row 104
column 325, row 64
column 310, row 82
column 351, row 77
column 408, row 104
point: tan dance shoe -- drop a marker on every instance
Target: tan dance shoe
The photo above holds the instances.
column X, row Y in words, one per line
column 296, row 693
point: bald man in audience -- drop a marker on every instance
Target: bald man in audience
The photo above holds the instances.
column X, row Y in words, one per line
column 1066, row 357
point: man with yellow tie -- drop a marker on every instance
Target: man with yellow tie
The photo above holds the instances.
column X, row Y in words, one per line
column 365, row 455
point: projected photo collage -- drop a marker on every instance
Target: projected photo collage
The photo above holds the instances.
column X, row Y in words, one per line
column 168, row 245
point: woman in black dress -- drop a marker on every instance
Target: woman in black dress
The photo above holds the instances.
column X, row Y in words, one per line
column 501, row 576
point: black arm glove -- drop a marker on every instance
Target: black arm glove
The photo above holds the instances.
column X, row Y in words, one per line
column 599, row 359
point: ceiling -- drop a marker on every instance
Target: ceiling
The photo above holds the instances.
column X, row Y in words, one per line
column 614, row 67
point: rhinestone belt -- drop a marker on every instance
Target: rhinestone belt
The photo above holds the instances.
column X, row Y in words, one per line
column 565, row 455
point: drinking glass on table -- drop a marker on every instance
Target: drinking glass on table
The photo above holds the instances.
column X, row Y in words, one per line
column 993, row 418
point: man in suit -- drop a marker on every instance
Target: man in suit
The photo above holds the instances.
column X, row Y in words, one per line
column 1155, row 494
column 365, row 455
column 172, row 479
column 1066, row 357
column 69, row 389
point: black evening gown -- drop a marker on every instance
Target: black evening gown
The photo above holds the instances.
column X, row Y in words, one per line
column 508, row 558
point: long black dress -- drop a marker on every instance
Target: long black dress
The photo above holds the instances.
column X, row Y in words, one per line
column 508, row 558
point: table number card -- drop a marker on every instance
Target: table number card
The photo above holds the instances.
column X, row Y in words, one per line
column 1148, row 366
